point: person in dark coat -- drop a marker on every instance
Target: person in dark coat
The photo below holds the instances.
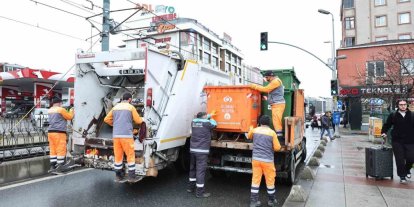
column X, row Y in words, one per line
column 199, row 149
column 402, row 139
column 325, row 124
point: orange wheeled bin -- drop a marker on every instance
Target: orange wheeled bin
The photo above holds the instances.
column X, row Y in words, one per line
column 237, row 107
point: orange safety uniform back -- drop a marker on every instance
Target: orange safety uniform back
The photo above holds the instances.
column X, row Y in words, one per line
column 121, row 117
column 265, row 143
column 58, row 117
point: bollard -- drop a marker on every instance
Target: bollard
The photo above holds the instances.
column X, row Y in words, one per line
column 318, row 153
column 321, row 148
column 314, row 162
column 323, row 142
column 308, row 174
column 297, row 194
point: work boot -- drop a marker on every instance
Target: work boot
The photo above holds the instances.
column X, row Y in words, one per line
column 203, row 195
column 255, row 203
column 52, row 167
column 272, row 203
column 120, row 176
column 191, row 187
column 132, row 177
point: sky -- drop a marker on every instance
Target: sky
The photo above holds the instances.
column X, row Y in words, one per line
column 295, row 22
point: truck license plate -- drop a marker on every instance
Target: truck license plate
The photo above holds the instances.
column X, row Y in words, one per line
column 237, row 159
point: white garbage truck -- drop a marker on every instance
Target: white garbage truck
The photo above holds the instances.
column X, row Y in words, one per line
column 167, row 92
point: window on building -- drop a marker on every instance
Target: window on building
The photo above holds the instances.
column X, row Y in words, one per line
column 380, row 2
column 233, row 59
column 349, row 41
column 200, row 54
column 234, row 69
column 214, row 62
column 381, row 21
column 239, row 71
column 227, row 56
column 239, row 62
column 207, row 44
column 214, row 48
column 404, row 18
column 348, row 4
column 376, row 69
column 407, row 67
column 382, row 38
column 349, row 22
column 227, row 67
column 206, row 58
column 200, row 41
column 404, row 36
column 402, row 1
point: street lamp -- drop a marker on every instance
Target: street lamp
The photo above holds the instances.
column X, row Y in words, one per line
column 333, row 43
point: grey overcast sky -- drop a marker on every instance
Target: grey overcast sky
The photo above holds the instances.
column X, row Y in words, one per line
column 295, row 22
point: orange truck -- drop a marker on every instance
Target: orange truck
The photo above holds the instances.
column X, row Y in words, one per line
column 239, row 107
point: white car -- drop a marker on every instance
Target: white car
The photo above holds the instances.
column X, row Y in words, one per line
column 39, row 117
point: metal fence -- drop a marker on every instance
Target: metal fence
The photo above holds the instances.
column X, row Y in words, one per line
column 22, row 138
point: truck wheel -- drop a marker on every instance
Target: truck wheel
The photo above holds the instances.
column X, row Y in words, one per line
column 183, row 162
column 292, row 170
column 304, row 151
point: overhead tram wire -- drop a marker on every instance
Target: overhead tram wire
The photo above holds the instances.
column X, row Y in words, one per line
column 79, row 6
column 43, row 28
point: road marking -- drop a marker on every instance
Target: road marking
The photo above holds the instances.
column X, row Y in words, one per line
column 42, row 179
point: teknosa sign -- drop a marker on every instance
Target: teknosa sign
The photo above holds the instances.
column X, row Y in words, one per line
column 371, row 90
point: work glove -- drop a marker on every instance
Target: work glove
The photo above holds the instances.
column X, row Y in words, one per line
column 264, row 98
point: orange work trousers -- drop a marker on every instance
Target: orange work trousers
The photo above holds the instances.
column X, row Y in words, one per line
column 277, row 114
column 121, row 146
column 266, row 168
column 57, row 147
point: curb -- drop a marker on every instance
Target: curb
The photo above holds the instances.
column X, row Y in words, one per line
column 16, row 170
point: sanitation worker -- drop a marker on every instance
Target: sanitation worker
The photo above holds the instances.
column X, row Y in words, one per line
column 199, row 149
column 275, row 98
column 265, row 143
column 121, row 117
column 58, row 117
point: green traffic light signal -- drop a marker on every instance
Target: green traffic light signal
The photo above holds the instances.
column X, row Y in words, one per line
column 263, row 41
column 334, row 87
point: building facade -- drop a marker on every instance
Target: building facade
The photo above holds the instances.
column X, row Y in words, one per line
column 368, row 21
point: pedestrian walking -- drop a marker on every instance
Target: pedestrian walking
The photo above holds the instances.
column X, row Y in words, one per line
column 326, row 123
column 121, row 117
column 265, row 143
column 200, row 142
column 402, row 133
column 276, row 100
column 58, row 117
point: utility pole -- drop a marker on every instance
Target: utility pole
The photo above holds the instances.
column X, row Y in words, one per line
column 105, row 25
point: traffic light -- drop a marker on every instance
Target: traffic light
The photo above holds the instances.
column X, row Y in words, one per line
column 334, row 87
column 263, row 41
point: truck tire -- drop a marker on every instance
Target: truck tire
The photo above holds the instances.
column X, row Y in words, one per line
column 292, row 170
column 304, row 151
column 183, row 162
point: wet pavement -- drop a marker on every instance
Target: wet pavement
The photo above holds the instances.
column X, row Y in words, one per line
column 341, row 179
column 89, row 187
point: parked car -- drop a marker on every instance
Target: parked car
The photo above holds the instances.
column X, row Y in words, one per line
column 39, row 117
column 18, row 111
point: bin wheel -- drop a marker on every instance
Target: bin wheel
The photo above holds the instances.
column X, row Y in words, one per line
column 292, row 171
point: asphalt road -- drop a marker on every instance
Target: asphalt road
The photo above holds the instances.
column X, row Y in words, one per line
column 89, row 187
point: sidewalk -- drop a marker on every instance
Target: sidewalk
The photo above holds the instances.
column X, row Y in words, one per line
column 341, row 182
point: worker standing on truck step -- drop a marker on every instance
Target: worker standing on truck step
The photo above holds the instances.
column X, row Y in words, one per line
column 58, row 117
column 265, row 143
column 276, row 99
column 121, row 117
column 199, row 149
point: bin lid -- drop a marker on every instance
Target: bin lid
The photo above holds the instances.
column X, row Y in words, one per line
column 278, row 72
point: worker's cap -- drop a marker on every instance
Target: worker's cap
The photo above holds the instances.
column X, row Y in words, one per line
column 201, row 114
column 264, row 120
column 126, row 96
column 56, row 100
column 268, row 73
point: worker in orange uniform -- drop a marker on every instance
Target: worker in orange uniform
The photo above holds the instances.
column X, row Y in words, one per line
column 275, row 98
column 58, row 118
column 121, row 117
column 265, row 143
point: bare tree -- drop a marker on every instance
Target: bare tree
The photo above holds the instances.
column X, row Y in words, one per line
column 392, row 66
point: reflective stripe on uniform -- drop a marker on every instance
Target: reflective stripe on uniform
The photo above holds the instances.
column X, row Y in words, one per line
column 199, row 150
column 254, row 191
column 192, row 179
column 262, row 159
column 200, row 185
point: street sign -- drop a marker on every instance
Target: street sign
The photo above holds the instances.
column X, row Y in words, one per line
column 336, row 117
column 339, row 105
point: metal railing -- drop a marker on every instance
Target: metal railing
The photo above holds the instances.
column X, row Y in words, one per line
column 22, row 138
